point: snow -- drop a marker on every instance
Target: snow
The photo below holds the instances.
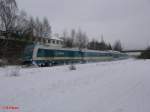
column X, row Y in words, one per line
column 56, row 38
column 117, row 86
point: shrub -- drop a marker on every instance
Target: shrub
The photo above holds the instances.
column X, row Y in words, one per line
column 72, row 67
column 13, row 71
column 145, row 54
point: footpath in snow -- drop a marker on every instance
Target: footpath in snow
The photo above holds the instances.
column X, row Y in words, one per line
column 118, row 86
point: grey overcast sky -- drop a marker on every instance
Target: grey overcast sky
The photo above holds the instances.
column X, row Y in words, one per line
column 125, row 20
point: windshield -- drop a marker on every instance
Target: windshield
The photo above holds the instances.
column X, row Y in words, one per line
column 28, row 52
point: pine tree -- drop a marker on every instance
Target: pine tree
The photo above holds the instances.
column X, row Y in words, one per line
column 117, row 46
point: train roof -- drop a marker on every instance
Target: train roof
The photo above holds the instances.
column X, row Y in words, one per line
column 55, row 38
column 74, row 49
column 111, row 51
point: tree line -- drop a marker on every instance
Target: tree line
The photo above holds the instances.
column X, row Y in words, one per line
column 79, row 39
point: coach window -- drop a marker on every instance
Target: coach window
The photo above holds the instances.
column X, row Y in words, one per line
column 41, row 53
column 57, row 42
column 46, row 40
column 53, row 41
column 43, row 40
column 60, row 42
column 49, row 41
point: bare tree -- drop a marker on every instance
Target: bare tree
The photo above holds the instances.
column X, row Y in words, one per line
column 8, row 14
column 65, row 37
column 1, row 24
column 32, row 26
column 65, row 34
column 81, row 40
column 28, row 27
column 75, row 39
column 42, row 29
column 46, row 28
column 38, row 28
column 23, row 24
column 8, row 17
column 72, row 37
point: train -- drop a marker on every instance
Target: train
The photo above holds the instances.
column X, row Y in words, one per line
column 45, row 55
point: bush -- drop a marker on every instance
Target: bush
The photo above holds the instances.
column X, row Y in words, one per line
column 72, row 67
column 3, row 62
column 13, row 71
column 145, row 54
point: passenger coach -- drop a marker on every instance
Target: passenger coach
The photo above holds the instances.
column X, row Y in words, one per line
column 44, row 55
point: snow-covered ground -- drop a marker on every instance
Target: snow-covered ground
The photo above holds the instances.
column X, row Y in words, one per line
column 119, row 86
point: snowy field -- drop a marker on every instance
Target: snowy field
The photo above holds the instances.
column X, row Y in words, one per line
column 119, row 86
